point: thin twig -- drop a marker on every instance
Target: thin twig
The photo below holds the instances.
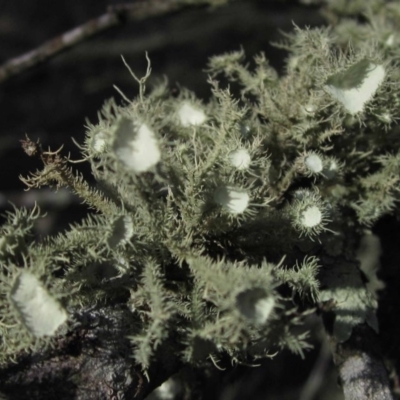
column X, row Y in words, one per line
column 115, row 15
column 61, row 43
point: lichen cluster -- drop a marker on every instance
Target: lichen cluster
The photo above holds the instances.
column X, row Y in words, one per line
column 198, row 204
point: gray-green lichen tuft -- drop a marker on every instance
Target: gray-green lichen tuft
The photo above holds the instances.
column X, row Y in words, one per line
column 205, row 200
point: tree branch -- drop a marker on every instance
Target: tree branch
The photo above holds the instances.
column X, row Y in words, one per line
column 350, row 323
column 92, row 362
column 361, row 370
column 115, row 15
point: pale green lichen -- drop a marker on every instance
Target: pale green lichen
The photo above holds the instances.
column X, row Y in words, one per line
column 200, row 202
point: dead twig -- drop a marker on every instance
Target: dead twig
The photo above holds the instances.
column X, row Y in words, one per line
column 115, row 15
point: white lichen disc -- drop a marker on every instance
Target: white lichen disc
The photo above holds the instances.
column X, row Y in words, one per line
column 263, row 309
column 311, row 217
column 367, row 78
column 189, row 115
column 234, row 200
column 314, row 163
column 136, row 147
column 240, row 159
column 39, row 311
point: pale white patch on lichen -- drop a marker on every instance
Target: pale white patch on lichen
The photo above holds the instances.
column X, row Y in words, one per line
column 122, row 231
column 39, row 311
column 309, row 109
column 314, row 163
column 240, row 159
column 255, row 305
column 333, row 166
column 263, row 309
column 99, row 142
column 189, row 115
column 390, row 40
column 356, row 86
column 136, row 147
column 311, row 216
column 234, row 200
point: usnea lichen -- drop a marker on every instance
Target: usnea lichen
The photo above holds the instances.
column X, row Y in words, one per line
column 204, row 199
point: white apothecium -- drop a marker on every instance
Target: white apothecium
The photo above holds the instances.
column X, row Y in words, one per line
column 39, row 311
column 313, row 163
column 309, row 214
column 357, row 85
column 256, row 305
column 233, row 199
column 136, row 146
column 99, row 142
column 240, row 159
column 263, row 309
column 189, row 115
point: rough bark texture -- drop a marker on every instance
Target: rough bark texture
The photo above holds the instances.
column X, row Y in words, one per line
column 364, row 377
column 356, row 347
column 93, row 362
column 362, row 373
